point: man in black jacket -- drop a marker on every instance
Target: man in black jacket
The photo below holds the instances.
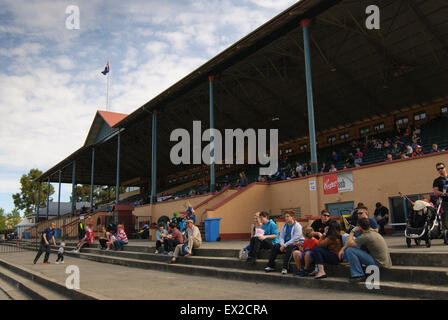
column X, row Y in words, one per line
column 381, row 216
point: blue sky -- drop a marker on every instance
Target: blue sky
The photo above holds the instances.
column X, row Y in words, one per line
column 50, row 80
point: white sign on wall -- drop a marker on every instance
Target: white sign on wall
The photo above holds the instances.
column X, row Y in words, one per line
column 312, row 185
column 345, row 182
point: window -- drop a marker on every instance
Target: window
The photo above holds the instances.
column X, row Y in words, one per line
column 344, row 136
column 379, row 127
column 420, row 116
column 402, row 121
column 444, row 109
column 364, row 131
column 331, row 139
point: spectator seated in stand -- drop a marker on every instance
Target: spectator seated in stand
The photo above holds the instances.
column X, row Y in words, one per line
column 434, row 148
column 328, row 248
column 319, row 225
column 121, row 238
column 333, row 168
column 144, row 232
column 267, row 240
column 173, row 238
column 160, row 236
column 290, row 236
column 376, row 252
column 89, row 238
column 192, row 240
column 303, row 254
column 358, row 156
column 418, row 152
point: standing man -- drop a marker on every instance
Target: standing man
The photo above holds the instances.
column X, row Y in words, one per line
column 439, row 187
column 47, row 235
column 81, row 228
column 381, row 216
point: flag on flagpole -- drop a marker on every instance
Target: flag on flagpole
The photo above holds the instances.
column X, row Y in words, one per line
column 106, row 69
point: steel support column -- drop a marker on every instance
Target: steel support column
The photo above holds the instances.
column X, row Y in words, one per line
column 309, row 90
column 91, row 179
column 154, row 158
column 38, row 201
column 59, row 194
column 212, row 137
column 117, row 186
column 48, row 197
column 73, row 188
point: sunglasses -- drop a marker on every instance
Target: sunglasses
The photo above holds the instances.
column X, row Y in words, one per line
column 326, row 215
column 441, row 168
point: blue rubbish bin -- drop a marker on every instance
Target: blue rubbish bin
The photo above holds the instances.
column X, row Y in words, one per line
column 57, row 234
column 211, row 229
column 27, row 235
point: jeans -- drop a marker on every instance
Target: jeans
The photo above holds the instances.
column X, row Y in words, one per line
column 323, row 255
column 170, row 244
column 275, row 251
column 43, row 247
column 382, row 222
column 357, row 257
column 256, row 245
column 60, row 257
column 119, row 243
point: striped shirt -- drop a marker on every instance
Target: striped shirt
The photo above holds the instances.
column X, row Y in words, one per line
column 121, row 235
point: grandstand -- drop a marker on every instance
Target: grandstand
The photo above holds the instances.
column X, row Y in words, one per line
column 367, row 84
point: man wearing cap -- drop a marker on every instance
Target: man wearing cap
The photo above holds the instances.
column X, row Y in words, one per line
column 440, row 186
column 418, row 152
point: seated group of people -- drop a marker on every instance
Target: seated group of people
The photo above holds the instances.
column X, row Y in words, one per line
column 322, row 242
column 176, row 243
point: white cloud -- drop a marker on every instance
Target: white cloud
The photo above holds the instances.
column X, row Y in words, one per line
column 50, row 81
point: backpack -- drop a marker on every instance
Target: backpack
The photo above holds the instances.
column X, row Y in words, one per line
column 244, row 254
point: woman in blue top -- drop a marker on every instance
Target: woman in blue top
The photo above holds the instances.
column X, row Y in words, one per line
column 266, row 241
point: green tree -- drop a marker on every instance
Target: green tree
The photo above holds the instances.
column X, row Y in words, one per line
column 2, row 219
column 13, row 218
column 26, row 200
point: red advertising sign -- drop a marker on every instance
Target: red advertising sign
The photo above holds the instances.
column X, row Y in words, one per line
column 331, row 184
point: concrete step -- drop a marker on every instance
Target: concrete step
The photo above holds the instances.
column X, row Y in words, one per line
column 12, row 292
column 40, row 287
column 386, row 287
column 408, row 274
column 30, row 288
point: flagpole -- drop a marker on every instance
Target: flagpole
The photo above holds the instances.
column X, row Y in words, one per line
column 107, row 90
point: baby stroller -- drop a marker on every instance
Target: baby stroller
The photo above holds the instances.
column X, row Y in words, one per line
column 423, row 224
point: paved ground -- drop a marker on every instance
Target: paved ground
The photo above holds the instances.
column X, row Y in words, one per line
column 395, row 243
column 119, row 282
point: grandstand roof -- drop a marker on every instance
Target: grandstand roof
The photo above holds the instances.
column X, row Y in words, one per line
column 357, row 73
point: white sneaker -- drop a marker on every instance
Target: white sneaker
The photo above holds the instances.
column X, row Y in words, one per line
column 170, row 253
column 269, row 269
column 75, row 251
column 284, row 271
column 57, row 262
column 62, row 261
column 156, row 252
column 107, row 249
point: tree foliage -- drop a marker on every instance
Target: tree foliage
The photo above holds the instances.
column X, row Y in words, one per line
column 26, row 200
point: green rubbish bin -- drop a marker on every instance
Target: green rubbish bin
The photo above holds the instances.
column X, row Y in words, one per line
column 211, row 229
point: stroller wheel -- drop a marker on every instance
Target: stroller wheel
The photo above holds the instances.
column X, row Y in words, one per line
column 417, row 241
column 408, row 242
column 428, row 242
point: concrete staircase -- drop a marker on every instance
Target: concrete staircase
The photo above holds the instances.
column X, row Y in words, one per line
column 414, row 275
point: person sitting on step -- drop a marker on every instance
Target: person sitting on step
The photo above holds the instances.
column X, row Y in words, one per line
column 303, row 255
column 192, row 240
column 173, row 238
column 265, row 241
column 290, row 234
column 376, row 252
column 122, row 238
